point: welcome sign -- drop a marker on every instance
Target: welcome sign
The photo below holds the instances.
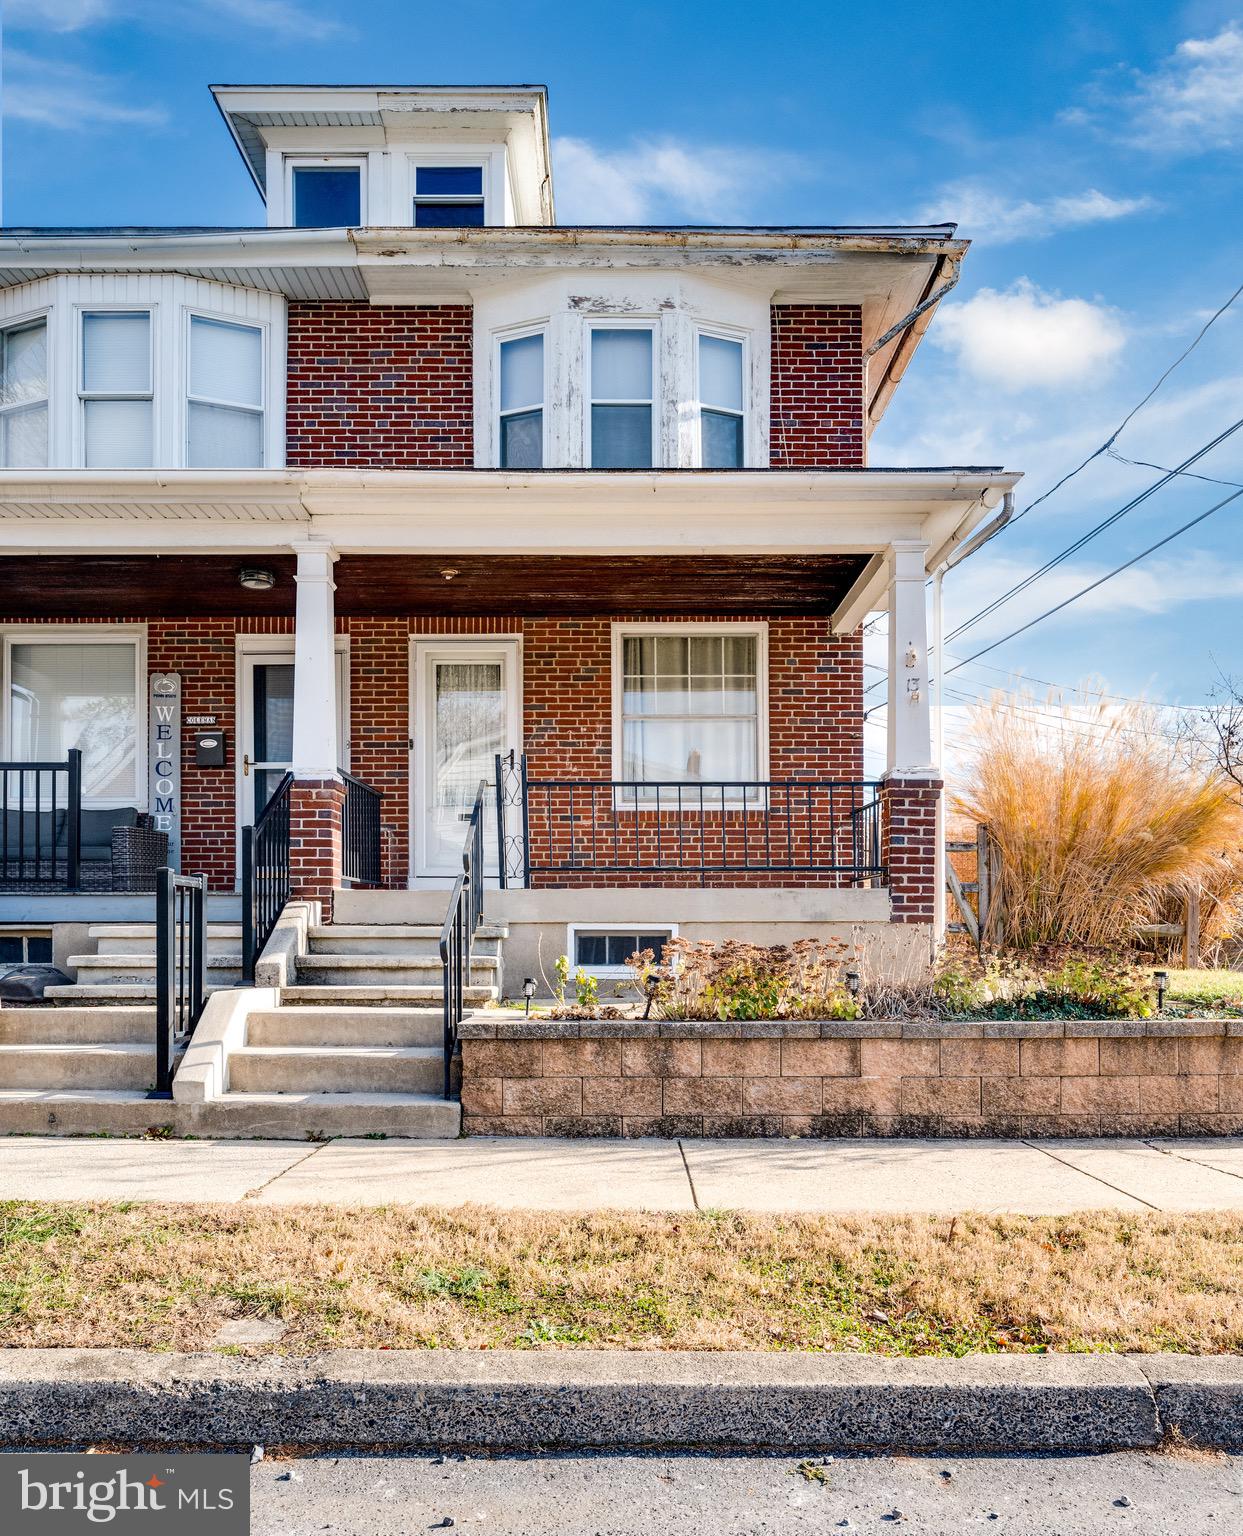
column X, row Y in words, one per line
column 164, row 760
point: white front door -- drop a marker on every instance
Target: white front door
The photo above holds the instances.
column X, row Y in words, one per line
column 465, row 711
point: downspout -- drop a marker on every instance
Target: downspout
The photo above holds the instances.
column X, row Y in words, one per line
column 976, row 541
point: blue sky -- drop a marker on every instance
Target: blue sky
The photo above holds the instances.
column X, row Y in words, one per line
column 1090, row 151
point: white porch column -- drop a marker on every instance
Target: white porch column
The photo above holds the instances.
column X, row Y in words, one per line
column 316, row 751
column 909, row 752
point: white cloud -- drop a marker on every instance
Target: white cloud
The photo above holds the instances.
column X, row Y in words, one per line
column 283, row 18
column 1025, row 338
column 280, row 18
column 1191, row 102
column 57, row 95
column 990, row 216
column 57, row 15
column 661, row 180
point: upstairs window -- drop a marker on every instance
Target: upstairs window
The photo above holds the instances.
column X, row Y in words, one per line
column 23, row 396
column 448, row 197
column 224, row 409
column 521, row 431
column 116, row 389
column 622, row 417
column 327, row 196
column 720, row 403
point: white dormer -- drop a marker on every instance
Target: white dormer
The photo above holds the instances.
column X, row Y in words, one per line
column 404, row 157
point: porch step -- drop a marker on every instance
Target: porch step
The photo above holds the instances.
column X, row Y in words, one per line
column 416, row 939
column 109, row 994
column 316, row 1116
column 382, row 995
column 350, row 1027
column 380, row 970
column 99, row 1064
column 91, row 970
column 139, row 938
column 81, row 1112
column 72, row 1026
column 335, row 1069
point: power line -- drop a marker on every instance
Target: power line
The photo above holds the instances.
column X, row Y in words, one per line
column 1188, row 474
column 1099, row 582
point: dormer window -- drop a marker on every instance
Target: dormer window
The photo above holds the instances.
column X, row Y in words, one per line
column 326, row 194
column 448, row 197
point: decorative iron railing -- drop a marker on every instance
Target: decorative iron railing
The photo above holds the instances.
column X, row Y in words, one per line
column 41, row 824
column 457, row 936
column 360, row 832
column 266, row 880
column 551, row 828
column 180, row 967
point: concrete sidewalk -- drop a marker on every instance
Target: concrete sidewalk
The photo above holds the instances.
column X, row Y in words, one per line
column 1034, row 1178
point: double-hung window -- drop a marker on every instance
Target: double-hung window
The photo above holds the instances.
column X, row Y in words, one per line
column 116, row 389
column 224, row 409
column 721, row 416
column 690, row 706
column 448, row 197
column 521, row 423
column 78, row 693
column 622, row 414
column 326, row 196
column 23, row 396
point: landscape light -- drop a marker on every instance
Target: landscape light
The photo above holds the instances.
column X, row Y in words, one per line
column 1161, row 979
column 528, row 991
column 852, row 983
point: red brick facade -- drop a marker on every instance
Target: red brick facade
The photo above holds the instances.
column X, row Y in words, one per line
column 818, row 414
column 379, row 387
column 909, row 840
column 315, row 839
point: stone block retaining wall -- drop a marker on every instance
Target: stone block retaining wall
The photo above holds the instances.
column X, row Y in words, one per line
column 1157, row 1077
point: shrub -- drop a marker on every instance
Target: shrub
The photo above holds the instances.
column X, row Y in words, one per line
column 736, row 981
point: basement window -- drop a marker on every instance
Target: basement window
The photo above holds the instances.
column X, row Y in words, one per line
column 25, row 946
column 448, row 197
column 604, row 951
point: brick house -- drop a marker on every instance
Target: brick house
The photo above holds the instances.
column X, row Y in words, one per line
column 415, row 481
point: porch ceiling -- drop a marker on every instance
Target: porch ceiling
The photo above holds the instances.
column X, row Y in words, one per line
column 169, row 586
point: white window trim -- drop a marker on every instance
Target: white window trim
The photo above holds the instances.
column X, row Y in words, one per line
column 722, row 333
column 701, row 627
column 490, row 160
column 80, row 634
column 609, row 972
column 314, row 162
column 21, row 323
column 151, row 309
column 650, row 323
column 499, row 338
column 189, row 313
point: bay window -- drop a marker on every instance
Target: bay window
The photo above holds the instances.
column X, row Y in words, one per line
column 521, row 425
column 224, row 409
column 23, row 396
column 689, row 705
column 116, row 389
column 720, row 364
column 622, row 398
column 80, row 693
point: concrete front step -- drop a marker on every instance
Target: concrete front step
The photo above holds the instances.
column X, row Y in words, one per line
column 397, row 938
column 383, row 970
column 346, row 1027
column 139, row 938
column 97, row 968
column 82, row 1112
column 70, row 1026
column 386, row 995
column 335, row 1069
column 107, row 994
column 100, row 1064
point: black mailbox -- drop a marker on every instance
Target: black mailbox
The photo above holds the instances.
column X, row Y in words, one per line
column 209, row 749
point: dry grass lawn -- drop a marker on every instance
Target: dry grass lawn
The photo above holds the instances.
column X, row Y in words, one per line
column 167, row 1277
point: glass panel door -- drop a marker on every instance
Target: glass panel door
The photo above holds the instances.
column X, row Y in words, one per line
column 271, row 694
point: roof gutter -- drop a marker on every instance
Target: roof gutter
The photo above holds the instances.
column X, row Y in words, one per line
column 911, row 328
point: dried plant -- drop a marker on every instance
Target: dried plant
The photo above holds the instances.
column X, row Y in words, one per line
column 732, row 980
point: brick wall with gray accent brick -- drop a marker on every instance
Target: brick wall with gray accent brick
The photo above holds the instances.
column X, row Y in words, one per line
column 793, row 1078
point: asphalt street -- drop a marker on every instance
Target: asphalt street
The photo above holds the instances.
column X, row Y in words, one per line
column 573, row 1495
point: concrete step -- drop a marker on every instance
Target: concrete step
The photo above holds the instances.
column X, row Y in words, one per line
column 82, row 1112
column 318, row 1069
column 299, row 1116
column 381, row 970
column 139, row 938
column 93, row 969
column 386, row 995
column 70, row 1026
column 421, row 939
column 101, row 1064
column 346, row 1027
column 111, row 994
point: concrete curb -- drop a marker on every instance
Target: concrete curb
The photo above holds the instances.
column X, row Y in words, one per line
column 595, row 1399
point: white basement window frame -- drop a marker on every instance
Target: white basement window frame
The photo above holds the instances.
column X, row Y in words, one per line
column 23, row 396
column 254, row 408
column 651, row 401
column 93, row 392
column 713, row 772
column 608, row 971
column 734, row 409
column 95, row 636
column 313, row 163
column 504, row 414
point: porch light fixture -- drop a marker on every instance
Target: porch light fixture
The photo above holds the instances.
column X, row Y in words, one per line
column 1161, row 980
column 852, row 983
column 449, row 572
column 255, row 579
column 528, row 991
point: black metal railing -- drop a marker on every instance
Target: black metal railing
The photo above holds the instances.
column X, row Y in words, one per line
column 41, row 824
column 556, row 827
column 266, row 878
column 180, row 967
column 457, row 936
column 360, row 832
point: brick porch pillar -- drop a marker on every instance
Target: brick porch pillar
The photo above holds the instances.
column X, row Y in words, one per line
column 909, row 846
column 315, row 819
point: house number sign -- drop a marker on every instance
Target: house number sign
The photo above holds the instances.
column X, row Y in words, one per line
column 164, row 760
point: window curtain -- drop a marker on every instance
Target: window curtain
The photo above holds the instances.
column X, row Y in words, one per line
column 690, row 708
column 63, row 696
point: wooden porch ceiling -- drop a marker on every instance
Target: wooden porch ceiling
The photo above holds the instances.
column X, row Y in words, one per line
column 170, row 586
